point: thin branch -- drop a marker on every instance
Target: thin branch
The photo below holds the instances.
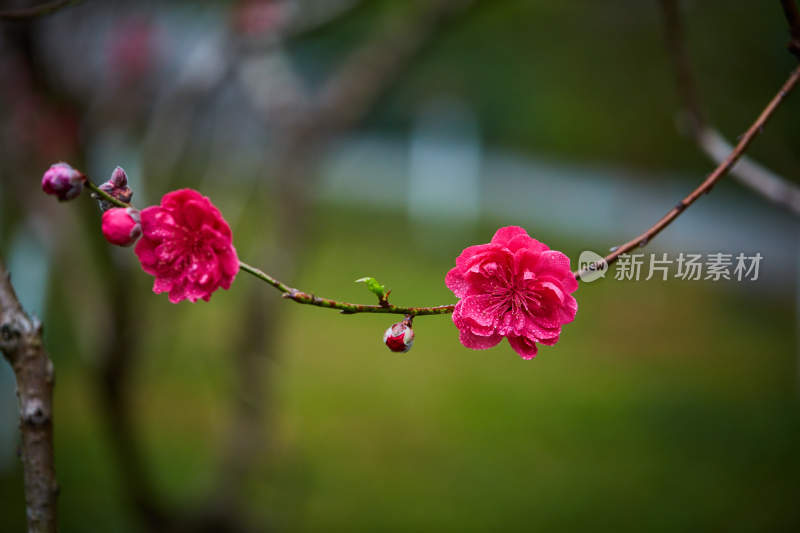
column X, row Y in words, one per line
column 749, row 172
column 36, row 11
column 345, row 307
column 709, row 182
column 676, row 43
column 766, row 183
column 793, row 19
column 641, row 240
column 104, row 195
column 705, row 187
column 21, row 343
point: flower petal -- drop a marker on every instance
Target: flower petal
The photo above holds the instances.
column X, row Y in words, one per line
column 556, row 265
column 472, row 253
column 186, row 245
column 504, row 235
column 456, row 283
column 514, row 287
column 477, row 342
column 525, row 347
column 472, row 314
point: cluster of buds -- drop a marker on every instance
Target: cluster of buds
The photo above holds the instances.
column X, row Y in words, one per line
column 399, row 337
column 116, row 187
column 63, row 181
column 121, row 225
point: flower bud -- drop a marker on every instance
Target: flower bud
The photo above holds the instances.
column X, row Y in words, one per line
column 117, row 187
column 63, row 181
column 399, row 337
column 118, row 178
column 122, row 226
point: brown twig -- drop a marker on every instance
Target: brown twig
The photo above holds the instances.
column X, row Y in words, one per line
column 710, row 141
column 723, row 168
column 345, row 307
column 749, row 172
column 36, row 11
column 641, row 240
column 21, row 343
column 708, row 183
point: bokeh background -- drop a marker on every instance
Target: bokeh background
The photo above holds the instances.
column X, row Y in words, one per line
column 350, row 138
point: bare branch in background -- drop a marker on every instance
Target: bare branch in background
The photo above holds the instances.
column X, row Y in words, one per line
column 793, row 19
column 749, row 172
column 118, row 358
column 708, row 183
column 710, row 141
column 342, row 103
column 115, row 359
column 21, row 343
column 36, row 11
column 344, row 100
column 350, row 93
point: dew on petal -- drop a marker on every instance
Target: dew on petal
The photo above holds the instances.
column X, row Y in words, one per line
column 187, row 245
column 513, row 287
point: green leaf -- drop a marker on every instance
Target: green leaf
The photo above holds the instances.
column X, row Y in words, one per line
column 374, row 287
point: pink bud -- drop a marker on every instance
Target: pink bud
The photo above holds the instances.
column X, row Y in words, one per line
column 116, row 186
column 118, row 178
column 63, row 181
column 399, row 337
column 122, row 226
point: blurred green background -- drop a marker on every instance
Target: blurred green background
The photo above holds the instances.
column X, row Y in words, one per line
column 666, row 406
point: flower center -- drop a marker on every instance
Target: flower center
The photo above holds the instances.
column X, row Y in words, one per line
column 512, row 296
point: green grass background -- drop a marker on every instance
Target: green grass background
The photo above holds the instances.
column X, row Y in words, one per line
column 665, row 407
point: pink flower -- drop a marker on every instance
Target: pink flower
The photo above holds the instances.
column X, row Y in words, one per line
column 514, row 287
column 122, row 225
column 63, row 181
column 187, row 246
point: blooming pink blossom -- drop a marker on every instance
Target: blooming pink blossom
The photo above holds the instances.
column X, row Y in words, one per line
column 63, row 181
column 122, row 225
column 187, row 246
column 514, row 287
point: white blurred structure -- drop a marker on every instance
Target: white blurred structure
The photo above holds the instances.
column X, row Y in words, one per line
column 596, row 204
column 444, row 165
